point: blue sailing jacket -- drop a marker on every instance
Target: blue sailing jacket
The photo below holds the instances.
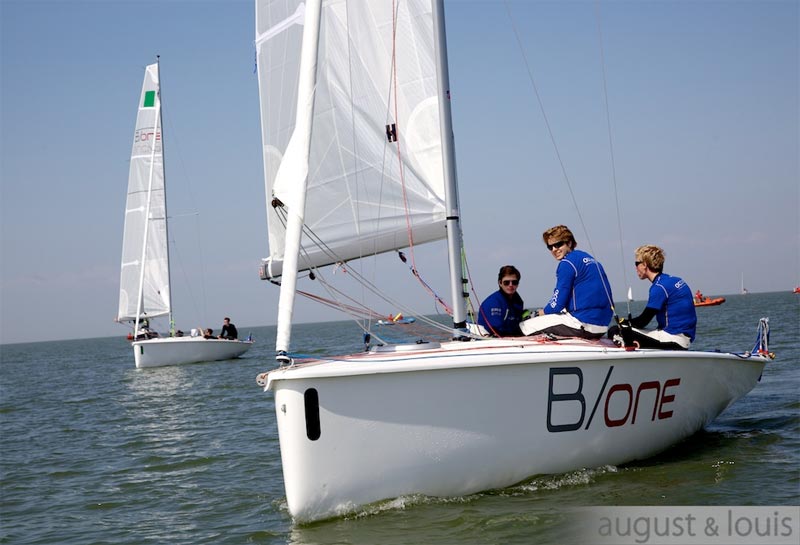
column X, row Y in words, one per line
column 674, row 303
column 582, row 289
column 500, row 316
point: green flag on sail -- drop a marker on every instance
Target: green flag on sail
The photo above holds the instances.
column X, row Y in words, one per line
column 149, row 99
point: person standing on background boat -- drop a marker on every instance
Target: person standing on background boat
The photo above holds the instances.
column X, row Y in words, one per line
column 501, row 312
column 670, row 301
column 699, row 297
column 228, row 330
column 581, row 302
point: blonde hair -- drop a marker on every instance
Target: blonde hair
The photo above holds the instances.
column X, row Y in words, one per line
column 652, row 256
column 560, row 232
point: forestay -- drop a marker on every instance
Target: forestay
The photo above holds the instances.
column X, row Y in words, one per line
column 375, row 161
column 144, row 242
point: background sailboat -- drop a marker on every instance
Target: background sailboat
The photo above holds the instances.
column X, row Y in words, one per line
column 355, row 98
column 145, row 292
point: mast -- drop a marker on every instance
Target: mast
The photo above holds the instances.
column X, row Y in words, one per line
column 164, row 183
column 295, row 166
column 453, row 222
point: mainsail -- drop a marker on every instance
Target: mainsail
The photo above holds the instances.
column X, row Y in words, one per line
column 374, row 167
column 144, row 276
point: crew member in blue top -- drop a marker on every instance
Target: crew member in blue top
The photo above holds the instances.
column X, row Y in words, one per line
column 670, row 301
column 500, row 313
column 581, row 302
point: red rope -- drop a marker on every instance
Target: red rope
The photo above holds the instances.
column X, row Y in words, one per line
column 414, row 269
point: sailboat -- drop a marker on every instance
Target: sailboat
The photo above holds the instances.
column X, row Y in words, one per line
column 144, row 291
column 355, row 106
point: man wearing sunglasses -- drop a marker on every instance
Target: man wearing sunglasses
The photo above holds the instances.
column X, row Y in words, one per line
column 500, row 313
column 581, row 302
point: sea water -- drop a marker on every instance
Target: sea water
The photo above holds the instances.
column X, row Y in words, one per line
column 93, row 450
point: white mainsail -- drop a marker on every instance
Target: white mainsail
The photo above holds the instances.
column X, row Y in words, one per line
column 144, row 274
column 367, row 193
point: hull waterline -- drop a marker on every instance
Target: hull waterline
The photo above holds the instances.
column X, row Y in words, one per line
column 459, row 419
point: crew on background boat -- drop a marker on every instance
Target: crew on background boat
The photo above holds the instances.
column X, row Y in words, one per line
column 208, row 333
column 501, row 312
column 581, row 302
column 669, row 300
column 699, row 297
column 144, row 331
column 228, row 330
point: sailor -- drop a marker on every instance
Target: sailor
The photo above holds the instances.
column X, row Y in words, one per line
column 669, row 300
column 698, row 295
column 228, row 330
column 581, row 302
column 500, row 313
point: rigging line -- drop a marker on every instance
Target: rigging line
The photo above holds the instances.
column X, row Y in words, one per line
column 394, row 303
column 611, row 148
column 381, row 295
column 356, row 156
column 393, row 91
column 331, row 290
column 360, row 278
column 395, row 7
column 351, row 311
column 547, row 124
column 335, row 304
column 437, row 298
column 555, row 148
column 185, row 174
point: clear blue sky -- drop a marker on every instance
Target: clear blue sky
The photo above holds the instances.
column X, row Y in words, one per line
column 703, row 101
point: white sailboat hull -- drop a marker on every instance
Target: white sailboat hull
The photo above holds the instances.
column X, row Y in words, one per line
column 179, row 350
column 466, row 417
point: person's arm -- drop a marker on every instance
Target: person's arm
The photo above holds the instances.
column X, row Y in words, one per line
column 644, row 318
column 565, row 279
column 492, row 321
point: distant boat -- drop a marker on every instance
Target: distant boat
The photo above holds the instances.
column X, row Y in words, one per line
column 797, row 289
column 393, row 321
column 144, row 290
column 709, row 302
column 744, row 290
column 701, row 300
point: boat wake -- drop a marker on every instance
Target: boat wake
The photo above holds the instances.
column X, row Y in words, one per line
column 563, row 480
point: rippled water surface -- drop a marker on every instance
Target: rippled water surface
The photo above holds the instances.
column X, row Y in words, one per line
column 95, row 451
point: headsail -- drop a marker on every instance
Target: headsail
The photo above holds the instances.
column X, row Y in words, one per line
column 144, row 242
column 375, row 163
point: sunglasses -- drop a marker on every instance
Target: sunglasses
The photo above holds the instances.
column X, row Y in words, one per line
column 555, row 245
column 510, row 282
column 637, row 263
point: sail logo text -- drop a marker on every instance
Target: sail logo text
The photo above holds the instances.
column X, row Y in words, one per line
column 145, row 134
column 622, row 405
